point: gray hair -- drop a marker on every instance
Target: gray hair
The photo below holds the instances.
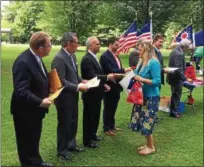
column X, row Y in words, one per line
column 185, row 43
column 89, row 41
column 67, row 36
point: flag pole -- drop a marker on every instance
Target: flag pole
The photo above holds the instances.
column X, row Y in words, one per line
column 193, row 33
column 151, row 29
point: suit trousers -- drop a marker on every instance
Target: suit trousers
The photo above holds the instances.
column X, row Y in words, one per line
column 91, row 117
column 28, row 132
column 176, row 91
column 111, row 100
column 67, row 126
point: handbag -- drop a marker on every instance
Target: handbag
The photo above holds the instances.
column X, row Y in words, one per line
column 136, row 96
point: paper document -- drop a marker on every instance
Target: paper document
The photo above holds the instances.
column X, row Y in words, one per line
column 55, row 94
column 126, row 80
column 171, row 69
column 93, row 82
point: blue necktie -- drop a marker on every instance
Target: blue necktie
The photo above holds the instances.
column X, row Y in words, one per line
column 73, row 63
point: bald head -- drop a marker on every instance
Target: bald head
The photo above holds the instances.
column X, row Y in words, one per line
column 93, row 44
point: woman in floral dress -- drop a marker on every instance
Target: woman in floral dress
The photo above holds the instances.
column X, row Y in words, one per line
column 148, row 73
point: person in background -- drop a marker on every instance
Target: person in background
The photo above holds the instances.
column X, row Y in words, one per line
column 30, row 101
column 176, row 79
column 134, row 58
column 67, row 102
column 148, row 73
column 111, row 63
column 90, row 68
column 158, row 44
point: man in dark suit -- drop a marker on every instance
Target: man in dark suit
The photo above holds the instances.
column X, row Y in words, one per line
column 67, row 102
column 158, row 44
column 30, row 100
column 176, row 79
column 91, row 68
column 111, row 63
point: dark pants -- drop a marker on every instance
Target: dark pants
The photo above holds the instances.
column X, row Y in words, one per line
column 176, row 91
column 111, row 100
column 197, row 62
column 67, row 116
column 91, row 117
column 28, row 132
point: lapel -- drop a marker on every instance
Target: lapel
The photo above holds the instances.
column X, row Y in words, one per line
column 37, row 66
column 94, row 61
column 68, row 59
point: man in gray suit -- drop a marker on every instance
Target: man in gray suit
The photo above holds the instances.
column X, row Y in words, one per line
column 176, row 79
column 67, row 102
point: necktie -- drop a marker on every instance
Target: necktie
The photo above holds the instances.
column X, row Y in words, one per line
column 117, row 61
column 73, row 63
column 42, row 68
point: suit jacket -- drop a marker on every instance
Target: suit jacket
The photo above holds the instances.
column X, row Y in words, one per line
column 90, row 68
column 133, row 58
column 31, row 86
column 68, row 75
column 176, row 59
column 160, row 58
column 109, row 65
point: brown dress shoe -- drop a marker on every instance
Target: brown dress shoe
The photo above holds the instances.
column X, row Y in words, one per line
column 110, row 133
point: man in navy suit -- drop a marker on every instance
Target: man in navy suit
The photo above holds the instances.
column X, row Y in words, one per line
column 158, row 44
column 111, row 63
column 92, row 99
column 30, row 100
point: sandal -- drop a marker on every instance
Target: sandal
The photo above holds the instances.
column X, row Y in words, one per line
column 147, row 151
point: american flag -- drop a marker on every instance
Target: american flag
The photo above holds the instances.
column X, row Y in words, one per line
column 186, row 33
column 145, row 32
column 128, row 39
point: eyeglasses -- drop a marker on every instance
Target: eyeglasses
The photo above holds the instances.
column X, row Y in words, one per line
column 74, row 42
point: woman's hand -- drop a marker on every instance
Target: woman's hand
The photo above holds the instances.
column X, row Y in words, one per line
column 139, row 78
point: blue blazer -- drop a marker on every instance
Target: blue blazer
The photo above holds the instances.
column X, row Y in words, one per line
column 109, row 65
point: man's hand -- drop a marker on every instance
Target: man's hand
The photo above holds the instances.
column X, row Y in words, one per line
column 166, row 70
column 127, row 69
column 111, row 77
column 107, row 88
column 189, row 80
column 82, row 87
column 46, row 103
column 84, row 81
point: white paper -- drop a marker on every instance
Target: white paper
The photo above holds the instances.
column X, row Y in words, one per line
column 126, row 80
column 93, row 82
column 171, row 69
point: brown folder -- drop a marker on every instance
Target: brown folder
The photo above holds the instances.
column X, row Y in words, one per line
column 55, row 84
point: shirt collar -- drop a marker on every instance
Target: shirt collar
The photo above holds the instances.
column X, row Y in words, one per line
column 36, row 56
column 180, row 49
column 156, row 49
column 67, row 52
column 94, row 55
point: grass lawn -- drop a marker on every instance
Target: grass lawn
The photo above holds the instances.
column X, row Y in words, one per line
column 179, row 142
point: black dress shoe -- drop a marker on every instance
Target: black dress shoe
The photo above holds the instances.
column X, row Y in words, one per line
column 64, row 157
column 98, row 138
column 91, row 145
column 77, row 149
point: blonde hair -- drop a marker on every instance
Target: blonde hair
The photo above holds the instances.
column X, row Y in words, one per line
column 39, row 39
column 148, row 51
